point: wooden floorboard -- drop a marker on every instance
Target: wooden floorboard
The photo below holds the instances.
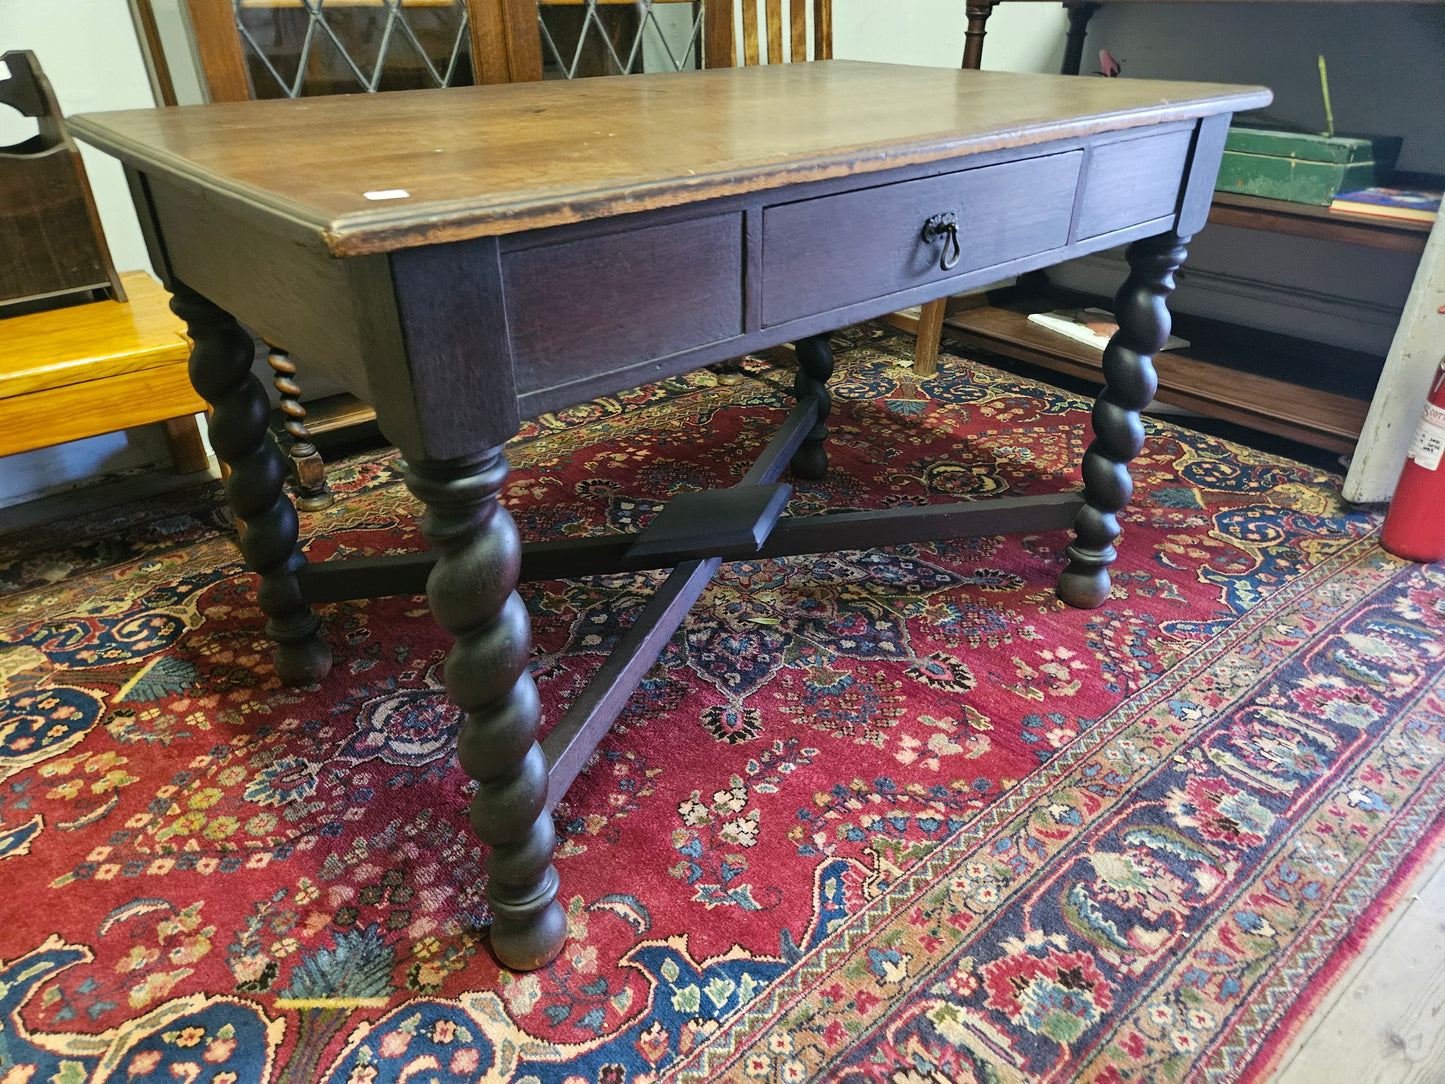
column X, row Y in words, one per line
column 1384, row 1023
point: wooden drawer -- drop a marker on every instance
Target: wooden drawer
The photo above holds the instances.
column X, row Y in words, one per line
column 579, row 307
column 1133, row 181
column 825, row 253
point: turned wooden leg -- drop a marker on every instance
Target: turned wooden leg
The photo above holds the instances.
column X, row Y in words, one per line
column 472, row 596
column 977, row 12
column 1079, row 16
column 308, row 469
column 220, row 370
column 815, row 366
column 1129, row 386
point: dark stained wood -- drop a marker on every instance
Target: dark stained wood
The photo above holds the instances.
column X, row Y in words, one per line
column 1079, row 16
column 471, row 591
column 184, row 442
column 577, row 733
column 506, row 47
column 559, row 200
column 478, row 161
column 712, row 522
column 50, row 232
column 308, row 471
column 154, row 51
column 815, row 367
column 719, row 47
column 867, row 243
column 823, row 30
column 218, row 44
column 977, row 12
column 300, row 295
column 406, row 574
column 1129, row 386
column 594, row 283
column 221, row 372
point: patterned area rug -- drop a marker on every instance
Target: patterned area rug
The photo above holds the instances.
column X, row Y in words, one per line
column 896, row 817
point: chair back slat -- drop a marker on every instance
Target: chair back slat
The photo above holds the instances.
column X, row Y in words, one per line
column 775, row 31
column 798, row 17
column 822, row 29
column 750, row 32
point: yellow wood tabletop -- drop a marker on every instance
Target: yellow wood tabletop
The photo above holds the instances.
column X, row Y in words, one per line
column 101, row 339
column 378, row 172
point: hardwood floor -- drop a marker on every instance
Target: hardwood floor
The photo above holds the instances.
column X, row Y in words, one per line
column 1384, row 1022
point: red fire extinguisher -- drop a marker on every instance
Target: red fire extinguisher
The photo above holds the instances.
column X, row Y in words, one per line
column 1415, row 524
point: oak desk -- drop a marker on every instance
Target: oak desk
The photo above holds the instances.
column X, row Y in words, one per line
column 433, row 252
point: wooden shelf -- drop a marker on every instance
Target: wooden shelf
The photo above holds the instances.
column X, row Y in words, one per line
column 1308, row 220
column 1195, row 379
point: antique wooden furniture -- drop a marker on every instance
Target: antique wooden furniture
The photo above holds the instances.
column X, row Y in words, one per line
column 284, row 48
column 1206, row 377
column 420, row 248
column 50, row 232
column 89, row 369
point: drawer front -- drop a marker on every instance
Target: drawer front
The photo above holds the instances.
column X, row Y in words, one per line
column 825, row 253
column 578, row 308
column 1133, row 181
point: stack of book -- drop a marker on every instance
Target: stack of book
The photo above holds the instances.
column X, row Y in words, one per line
column 1406, row 204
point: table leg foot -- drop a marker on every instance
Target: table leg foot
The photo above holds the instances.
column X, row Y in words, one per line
column 220, row 370
column 815, row 366
column 1129, row 385
column 471, row 591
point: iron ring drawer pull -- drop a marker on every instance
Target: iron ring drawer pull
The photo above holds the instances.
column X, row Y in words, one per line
column 945, row 227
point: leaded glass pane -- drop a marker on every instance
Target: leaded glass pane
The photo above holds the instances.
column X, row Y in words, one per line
column 296, row 48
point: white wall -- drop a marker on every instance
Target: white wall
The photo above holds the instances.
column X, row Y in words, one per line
column 88, row 50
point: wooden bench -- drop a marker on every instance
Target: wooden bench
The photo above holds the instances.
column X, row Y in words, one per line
column 84, row 370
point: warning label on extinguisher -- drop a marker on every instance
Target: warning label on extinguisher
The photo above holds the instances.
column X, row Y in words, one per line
column 1429, row 443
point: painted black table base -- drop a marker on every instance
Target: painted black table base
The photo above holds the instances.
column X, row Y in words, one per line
column 477, row 559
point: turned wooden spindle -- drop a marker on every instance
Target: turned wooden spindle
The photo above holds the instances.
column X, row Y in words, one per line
column 1130, row 382
column 308, row 469
column 815, row 366
column 220, row 369
column 472, row 595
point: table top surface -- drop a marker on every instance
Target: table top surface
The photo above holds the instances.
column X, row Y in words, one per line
column 378, row 172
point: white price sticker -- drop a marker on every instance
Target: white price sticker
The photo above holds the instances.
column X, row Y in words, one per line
column 1429, row 443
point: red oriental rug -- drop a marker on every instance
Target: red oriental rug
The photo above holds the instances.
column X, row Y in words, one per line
column 895, row 817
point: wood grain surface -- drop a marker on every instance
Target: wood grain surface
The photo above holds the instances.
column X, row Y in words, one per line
column 68, row 345
column 480, row 161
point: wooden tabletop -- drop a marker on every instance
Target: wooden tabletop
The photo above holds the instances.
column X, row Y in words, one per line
column 445, row 165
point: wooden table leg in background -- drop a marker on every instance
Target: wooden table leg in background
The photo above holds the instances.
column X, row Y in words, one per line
column 1143, row 315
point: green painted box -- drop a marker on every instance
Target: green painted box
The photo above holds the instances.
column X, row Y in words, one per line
column 1302, row 167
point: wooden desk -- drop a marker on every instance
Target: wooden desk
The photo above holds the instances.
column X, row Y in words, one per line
column 776, row 203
